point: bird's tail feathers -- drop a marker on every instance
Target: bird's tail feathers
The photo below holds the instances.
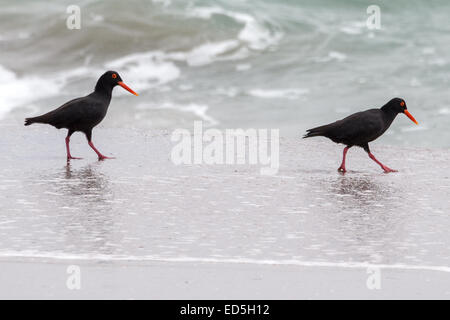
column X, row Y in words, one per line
column 29, row 121
column 315, row 132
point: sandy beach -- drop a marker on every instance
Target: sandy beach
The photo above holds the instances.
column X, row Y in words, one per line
column 46, row 279
column 140, row 227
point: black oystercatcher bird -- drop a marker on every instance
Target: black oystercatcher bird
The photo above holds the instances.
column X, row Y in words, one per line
column 361, row 128
column 83, row 114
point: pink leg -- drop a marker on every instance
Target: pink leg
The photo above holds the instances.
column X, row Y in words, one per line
column 69, row 156
column 342, row 167
column 386, row 169
column 100, row 156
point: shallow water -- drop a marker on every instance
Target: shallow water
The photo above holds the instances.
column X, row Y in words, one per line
column 140, row 206
column 279, row 64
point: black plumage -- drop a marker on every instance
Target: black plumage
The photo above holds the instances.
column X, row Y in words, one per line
column 83, row 114
column 361, row 128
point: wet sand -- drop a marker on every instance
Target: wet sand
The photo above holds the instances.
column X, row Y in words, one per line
column 183, row 280
column 141, row 227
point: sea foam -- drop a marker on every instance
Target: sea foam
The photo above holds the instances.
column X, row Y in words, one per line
column 17, row 91
column 255, row 34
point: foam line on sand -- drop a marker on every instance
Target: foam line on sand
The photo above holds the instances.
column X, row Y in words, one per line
column 118, row 258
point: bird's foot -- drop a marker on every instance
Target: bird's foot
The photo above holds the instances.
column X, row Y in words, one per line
column 73, row 158
column 102, row 157
column 387, row 169
column 341, row 169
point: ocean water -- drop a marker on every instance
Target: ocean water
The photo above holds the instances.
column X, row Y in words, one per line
column 272, row 64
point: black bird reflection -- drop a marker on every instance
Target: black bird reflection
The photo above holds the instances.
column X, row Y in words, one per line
column 89, row 181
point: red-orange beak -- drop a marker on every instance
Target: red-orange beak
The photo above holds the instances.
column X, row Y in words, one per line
column 410, row 116
column 123, row 85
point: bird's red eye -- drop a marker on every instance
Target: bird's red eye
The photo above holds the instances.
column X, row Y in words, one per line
column 402, row 103
column 114, row 75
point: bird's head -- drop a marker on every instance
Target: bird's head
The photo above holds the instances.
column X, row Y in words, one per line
column 398, row 105
column 110, row 79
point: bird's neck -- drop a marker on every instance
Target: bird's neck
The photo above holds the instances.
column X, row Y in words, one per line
column 103, row 89
column 389, row 114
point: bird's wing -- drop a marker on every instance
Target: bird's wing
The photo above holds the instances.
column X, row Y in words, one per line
column 64, row 115
column 358, row 127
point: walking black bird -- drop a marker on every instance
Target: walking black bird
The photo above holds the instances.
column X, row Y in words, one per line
column 83, row 114
column 361, row 128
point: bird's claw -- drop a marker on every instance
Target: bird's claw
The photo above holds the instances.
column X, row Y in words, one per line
column 388, row 170
column 341, row 170
column 73, row 158
column 101, row 158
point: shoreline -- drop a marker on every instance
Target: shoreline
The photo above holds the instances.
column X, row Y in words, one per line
column 141, row 227
column 123, row 260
